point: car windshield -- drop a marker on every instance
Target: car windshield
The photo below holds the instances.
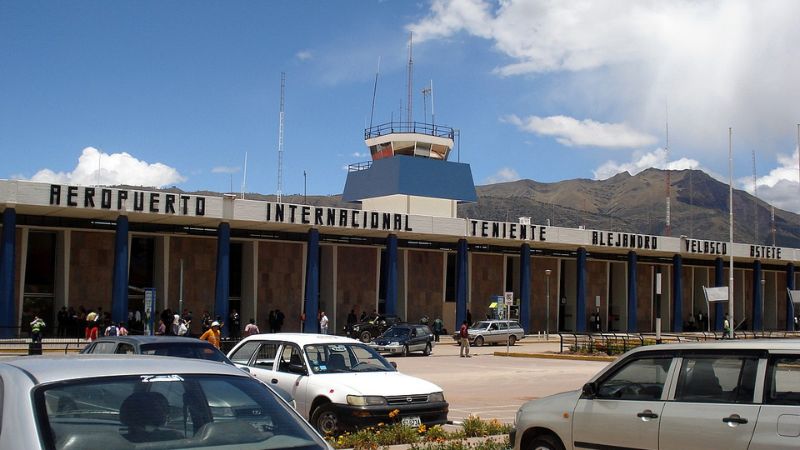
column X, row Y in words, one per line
column 184, row 350
column 396, row 332
column 345, row 358
column 480, row 325
column 167, row 412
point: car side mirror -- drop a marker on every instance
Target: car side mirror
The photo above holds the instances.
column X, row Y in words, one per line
column 298, row 369
column 589, row 390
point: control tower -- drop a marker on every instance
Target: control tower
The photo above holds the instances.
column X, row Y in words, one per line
column 409, row 172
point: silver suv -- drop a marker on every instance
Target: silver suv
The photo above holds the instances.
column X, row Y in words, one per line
column 494, row 332
column 731, row 395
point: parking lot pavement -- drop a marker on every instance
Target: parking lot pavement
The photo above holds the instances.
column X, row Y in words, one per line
column 494, row 387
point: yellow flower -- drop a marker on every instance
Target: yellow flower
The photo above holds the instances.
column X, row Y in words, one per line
column 421, row 428
column 394, row 413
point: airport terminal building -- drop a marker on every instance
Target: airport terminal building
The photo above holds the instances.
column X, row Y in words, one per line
column 402, row 251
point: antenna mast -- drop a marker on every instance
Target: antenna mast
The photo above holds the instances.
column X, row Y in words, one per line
column 409, row 109
column 755, row 199
column 244, row 177
column 668, row 227
column 280, row 139
column 374, row 92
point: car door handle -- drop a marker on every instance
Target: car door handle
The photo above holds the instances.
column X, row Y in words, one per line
column 274, row 381
column 647, row 414
column 734, row 418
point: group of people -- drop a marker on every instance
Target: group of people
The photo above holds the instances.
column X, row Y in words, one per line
column 697, row 322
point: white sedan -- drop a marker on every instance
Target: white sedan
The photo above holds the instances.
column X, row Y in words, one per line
column 340, row 383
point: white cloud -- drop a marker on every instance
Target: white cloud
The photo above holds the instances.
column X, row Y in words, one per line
column 780, row 186
column 360, row 155
column 584, row 133
column 304, row 55
column 96, row 167
column 225, row 169
column 642, row 161
column 503, row 175
column 717, row 63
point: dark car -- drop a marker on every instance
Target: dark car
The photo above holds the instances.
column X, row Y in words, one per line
column 367, row 331
column 403, row 338
column 182, row 347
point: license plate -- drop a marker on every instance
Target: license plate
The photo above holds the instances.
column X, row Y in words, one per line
column 381, row 349
column 411, row 421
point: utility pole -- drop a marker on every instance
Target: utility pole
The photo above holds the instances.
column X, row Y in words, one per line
column 280, row 139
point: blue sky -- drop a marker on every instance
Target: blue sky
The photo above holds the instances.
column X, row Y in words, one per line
column 174, row 93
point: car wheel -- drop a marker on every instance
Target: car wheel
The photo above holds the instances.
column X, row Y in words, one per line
column 404, row 352
column 546, row 442
column 512, row 340
column 479, row 341
column 427, row 350
column 365, row 336
column 325, row 420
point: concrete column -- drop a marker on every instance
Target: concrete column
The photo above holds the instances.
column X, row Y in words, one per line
column 758, row 298
column 632, row 296
column 525, row 287
column 119, row 289
column 580, row 303
column 391, row 275
column 7, row 256
column 312, row 283
column 677, row 294
column 462, row 260
column 222, row 285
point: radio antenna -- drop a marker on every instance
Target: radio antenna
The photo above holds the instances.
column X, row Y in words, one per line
column 374, row 92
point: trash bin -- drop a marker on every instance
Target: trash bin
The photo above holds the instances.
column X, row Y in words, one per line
column 35, row 348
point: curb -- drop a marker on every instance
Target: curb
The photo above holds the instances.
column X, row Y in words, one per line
column 557, row 356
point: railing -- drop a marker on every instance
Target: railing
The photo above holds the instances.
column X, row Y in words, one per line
column 617, row 343
column 55, row 345
column 409, row 127
column 359, row 166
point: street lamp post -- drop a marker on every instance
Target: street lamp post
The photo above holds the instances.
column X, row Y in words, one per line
column 547, row 273
column 305, row 184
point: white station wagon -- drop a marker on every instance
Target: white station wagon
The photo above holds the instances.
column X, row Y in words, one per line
column 339, row 383
column 725, row 395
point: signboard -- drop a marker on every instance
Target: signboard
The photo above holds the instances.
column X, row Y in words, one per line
column 149, row 311
column 508, row 298
column 716, row 294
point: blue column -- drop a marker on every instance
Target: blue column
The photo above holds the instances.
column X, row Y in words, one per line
column 677, row 294
column 462, row 259
column 222, row 288
column 119, row 289
column 632, row 297
column 719, row 281
column 789, row 306
column 391, row 274
column 525, row 287
column 7, row 259
column 580, row 303
column 312, row 283
column 758, row 298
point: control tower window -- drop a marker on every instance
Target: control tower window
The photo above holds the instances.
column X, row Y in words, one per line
column 404, row 148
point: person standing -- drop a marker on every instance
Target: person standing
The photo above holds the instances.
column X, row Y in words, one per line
column 438, row 326
column 251, row 328
column 235, row 324
column 469, row 318
column 726, row 328
column 463, row 333
column 37, row 325
column 352, row 318
column 92, row 331
column 279, row 317
column 323, row 323
column 272, row 320
column 212, row 335
column 62, row 318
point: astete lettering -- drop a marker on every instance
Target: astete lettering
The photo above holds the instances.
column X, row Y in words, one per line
column 624, row 240
column 705, row 247
column 763, row 251
column 507, row 230
column 336, row 217
column 153, row 200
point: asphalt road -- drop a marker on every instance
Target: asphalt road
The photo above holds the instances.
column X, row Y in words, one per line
column 494, row 387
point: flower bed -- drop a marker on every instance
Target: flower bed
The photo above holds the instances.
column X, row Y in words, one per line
column 424, row 438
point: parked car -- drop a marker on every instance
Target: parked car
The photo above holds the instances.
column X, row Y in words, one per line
column 181, row 347
column 724, row 395
column 493, row 332
column 118, row 402
column 403, row 338
column 340, row 383
column 369, row 330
